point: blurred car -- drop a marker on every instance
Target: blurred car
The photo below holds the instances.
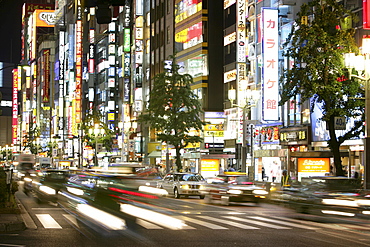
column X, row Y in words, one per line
column 47, row 183
column 233, row 188
column 327, row 195
column 183, row 184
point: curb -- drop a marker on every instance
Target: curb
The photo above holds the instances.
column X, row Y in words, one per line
column 27, row 220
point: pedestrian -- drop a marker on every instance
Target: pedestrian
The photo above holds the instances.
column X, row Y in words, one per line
column 285, row 179
column 263, row 173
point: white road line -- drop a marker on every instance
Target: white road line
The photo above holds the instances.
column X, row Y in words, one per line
column 257, row 222
column 147, row 224
column 47, row 221
column 202, row 223
column 321, row 225
column 229, row 222
column 283, row 222
column 71, row 219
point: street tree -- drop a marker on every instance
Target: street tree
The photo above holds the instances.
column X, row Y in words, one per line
column 315, row 48
column 88, row 125
column 174, row 110
column 30, row 139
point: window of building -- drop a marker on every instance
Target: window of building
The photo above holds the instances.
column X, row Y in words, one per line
column 168, row 35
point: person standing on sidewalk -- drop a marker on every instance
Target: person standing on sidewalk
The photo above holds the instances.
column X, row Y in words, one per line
column 285, row 179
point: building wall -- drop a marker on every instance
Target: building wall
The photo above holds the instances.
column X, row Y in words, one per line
column 5, row 130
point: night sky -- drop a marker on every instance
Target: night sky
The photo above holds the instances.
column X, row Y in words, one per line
column 10, row 30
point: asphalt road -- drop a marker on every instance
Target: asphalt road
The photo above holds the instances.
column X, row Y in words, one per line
column 206, row 225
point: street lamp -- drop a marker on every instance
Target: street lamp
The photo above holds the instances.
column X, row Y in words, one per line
column 361, row 63
column 250, row 97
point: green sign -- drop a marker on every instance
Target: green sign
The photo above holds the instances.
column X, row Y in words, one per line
column 126, row 40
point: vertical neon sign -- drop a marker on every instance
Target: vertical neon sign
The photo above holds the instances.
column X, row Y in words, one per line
column 270, row 51
column 15, row 107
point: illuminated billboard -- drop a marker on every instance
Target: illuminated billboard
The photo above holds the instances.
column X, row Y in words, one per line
column 189, row 37
column 185, row 8
column 270, row 51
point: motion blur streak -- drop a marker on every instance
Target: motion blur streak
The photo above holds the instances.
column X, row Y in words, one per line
column 77, row 199
column 75, row 191
column 340, row 202
column 366, row 212
column 158, row 218
column 47, row 190
column 110, row 221
column 153, row 190
column 337, row 213
column 132, row 193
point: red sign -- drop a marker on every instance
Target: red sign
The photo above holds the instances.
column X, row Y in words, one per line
column 365, row 15
column 15, row 107
column 46, row 83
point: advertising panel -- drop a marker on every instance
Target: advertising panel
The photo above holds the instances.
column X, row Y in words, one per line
column 313, row 167
column 44, row 18
column 270, row 51
column 240, row 19
column 185, row 8
column 46, row 70
column 15, row 107
column 189, row 37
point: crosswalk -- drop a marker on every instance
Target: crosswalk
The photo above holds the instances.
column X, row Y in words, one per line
column 220, row 222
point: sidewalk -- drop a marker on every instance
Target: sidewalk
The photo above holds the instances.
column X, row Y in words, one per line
column 14, row 222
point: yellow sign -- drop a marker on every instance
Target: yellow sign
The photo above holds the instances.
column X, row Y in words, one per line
column 213, row 133
column 214, row 127
column 313, row 164
column 209, row 165
column 110, row 116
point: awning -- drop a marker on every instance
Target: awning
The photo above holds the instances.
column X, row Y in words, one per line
column 155, row 154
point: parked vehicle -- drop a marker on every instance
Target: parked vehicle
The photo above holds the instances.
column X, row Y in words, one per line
column 339, row 196
column 183, row 184
column 233, row 188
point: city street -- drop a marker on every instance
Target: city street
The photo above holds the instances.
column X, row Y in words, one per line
column 206, row 225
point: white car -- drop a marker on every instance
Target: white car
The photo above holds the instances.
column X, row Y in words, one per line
column 183, row 184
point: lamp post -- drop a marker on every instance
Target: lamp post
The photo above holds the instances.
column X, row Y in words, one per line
column 361, row 63
column 250, row 98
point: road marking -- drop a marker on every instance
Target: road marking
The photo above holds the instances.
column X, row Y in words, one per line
column 147, row 224
column 228, row 222
column 47, row 221
column 71, row 219
column 282, row 222
column 322, row 225
column 257, row 222
column 202, row 223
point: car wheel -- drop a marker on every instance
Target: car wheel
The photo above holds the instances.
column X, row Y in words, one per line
column 201, row 197
column 176, row 192
column 225, row 201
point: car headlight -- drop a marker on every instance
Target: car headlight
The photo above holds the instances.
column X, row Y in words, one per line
column 47, row 190
column 185, row 186
column 28, row 179
column 238, row 192
column 202, row 187
column 260, row 192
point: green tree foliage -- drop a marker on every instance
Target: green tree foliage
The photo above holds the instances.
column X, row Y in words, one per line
column 88, row 125
column 30, row 139
column 174, row 110
column 319, row 74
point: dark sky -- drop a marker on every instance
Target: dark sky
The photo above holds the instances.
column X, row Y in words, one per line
column 10, row 30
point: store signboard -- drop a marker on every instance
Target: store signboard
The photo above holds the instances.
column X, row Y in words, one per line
column 270, row 51
column 313, row 164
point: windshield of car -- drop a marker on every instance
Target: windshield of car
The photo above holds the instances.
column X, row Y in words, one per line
column 189, row 177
